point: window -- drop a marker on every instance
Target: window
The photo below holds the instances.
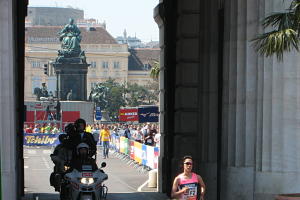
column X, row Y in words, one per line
column 35, row 64
column 51, row 84
column 93, row 64
column 116, row 65
column 105, row 64
column 35, row 83
column 93, row 85
column 146, row 66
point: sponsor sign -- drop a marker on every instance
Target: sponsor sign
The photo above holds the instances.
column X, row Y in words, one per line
column 40, row 139
column 138, row 152
column 144, row 154
column 128, row 114
column 148, row 114
column 98, row 114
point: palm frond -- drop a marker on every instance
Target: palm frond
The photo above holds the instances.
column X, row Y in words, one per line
column 276, row 42
column 280, row 21
column 154, row 73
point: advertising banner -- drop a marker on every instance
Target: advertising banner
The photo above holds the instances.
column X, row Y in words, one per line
column 126, row 146
column 144, row 154
column 117, row 141
column 138, row 152
column 148, row 114
column 122, row 145
column 131, row 147
column 128, row 114
column 150, row 157
column 40, row 139
column 156, row 154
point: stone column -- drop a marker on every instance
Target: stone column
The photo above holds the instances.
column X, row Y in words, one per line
column 260, row 109
column 7, row 102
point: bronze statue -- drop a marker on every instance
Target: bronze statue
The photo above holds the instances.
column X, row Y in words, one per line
column 70, row 45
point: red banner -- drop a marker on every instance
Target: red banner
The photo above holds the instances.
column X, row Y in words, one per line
column 126, row 115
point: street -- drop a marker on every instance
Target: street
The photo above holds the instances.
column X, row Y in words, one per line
column 124, row 181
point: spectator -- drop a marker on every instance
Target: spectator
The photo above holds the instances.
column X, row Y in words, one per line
column 88, row 128
column 157, row 139
column 149, row 139
column 55, row 130
column 36, row 129
column 105, row 138
column 28, row 129
column 127, row 133
column 139, row 135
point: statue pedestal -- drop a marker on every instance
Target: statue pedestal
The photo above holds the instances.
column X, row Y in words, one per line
column 71, row 77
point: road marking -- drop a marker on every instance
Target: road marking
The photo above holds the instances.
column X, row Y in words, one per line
column 46, row 162
column 143, row 185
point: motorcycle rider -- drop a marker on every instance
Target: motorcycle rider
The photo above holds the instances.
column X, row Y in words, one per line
column 83, row 158
column 61, row 156
column 82, row 136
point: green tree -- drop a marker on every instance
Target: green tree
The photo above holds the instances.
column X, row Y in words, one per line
column 109, row 96
column 284, row 34
column 135, row 94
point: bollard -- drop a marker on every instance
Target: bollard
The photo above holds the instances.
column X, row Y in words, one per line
column 152, row 181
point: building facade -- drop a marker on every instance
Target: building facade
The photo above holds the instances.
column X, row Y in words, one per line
column 106, row 56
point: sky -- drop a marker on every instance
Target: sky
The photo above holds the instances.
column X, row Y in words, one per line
column 136, row 16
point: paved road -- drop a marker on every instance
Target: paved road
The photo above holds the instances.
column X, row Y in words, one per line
column 123, row 180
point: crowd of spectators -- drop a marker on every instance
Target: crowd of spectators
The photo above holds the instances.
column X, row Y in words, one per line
column 42, row 128
column 146, row 133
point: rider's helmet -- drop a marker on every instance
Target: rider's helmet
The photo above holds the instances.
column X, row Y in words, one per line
column 82, row 150
column 62, row 138
column 80, row 125
column 70, row 129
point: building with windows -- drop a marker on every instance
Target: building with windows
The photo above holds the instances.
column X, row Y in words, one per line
column 140, row 62
column 106, row 56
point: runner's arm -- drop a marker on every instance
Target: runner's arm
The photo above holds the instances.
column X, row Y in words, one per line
column 174, row 192
column 202, row 186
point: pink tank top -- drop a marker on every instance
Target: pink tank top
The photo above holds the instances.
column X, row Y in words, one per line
column 192, row 184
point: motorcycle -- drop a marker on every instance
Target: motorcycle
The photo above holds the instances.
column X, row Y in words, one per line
column 84, row 184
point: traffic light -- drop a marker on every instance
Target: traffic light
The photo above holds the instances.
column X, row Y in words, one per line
column 46, row 69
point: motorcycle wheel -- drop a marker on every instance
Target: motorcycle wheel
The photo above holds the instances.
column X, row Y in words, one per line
column 86, row 197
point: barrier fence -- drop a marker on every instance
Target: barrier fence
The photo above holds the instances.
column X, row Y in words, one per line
column 139, row 153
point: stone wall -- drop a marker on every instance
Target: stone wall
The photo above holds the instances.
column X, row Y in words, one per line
column 7, row 102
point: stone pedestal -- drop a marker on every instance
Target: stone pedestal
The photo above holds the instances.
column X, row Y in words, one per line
column 72, row 76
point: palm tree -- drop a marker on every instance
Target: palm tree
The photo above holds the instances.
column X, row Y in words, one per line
column 284, row 35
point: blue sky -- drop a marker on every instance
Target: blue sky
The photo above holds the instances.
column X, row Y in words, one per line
column 136, row 16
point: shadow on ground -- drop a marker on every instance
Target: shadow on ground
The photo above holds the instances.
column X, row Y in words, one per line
column 110, row 196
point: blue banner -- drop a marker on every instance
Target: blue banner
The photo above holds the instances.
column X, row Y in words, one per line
column 148, row 114
column 40, row 139
column 144, row 154
column 98, row 113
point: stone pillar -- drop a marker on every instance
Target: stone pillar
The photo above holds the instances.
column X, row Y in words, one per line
column 260, row 110
column 72, row 77
column 7, row 101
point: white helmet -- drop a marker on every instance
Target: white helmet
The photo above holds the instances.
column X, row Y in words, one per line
column 82, row 145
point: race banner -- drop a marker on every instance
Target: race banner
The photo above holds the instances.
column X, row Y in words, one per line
column 128, row 115
column 156, row 155
column 150, row 157
column 148, row 114
column 138, row 152
column 122, row 145
column 131, row 147
column 144, row 154
column 40, row 139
